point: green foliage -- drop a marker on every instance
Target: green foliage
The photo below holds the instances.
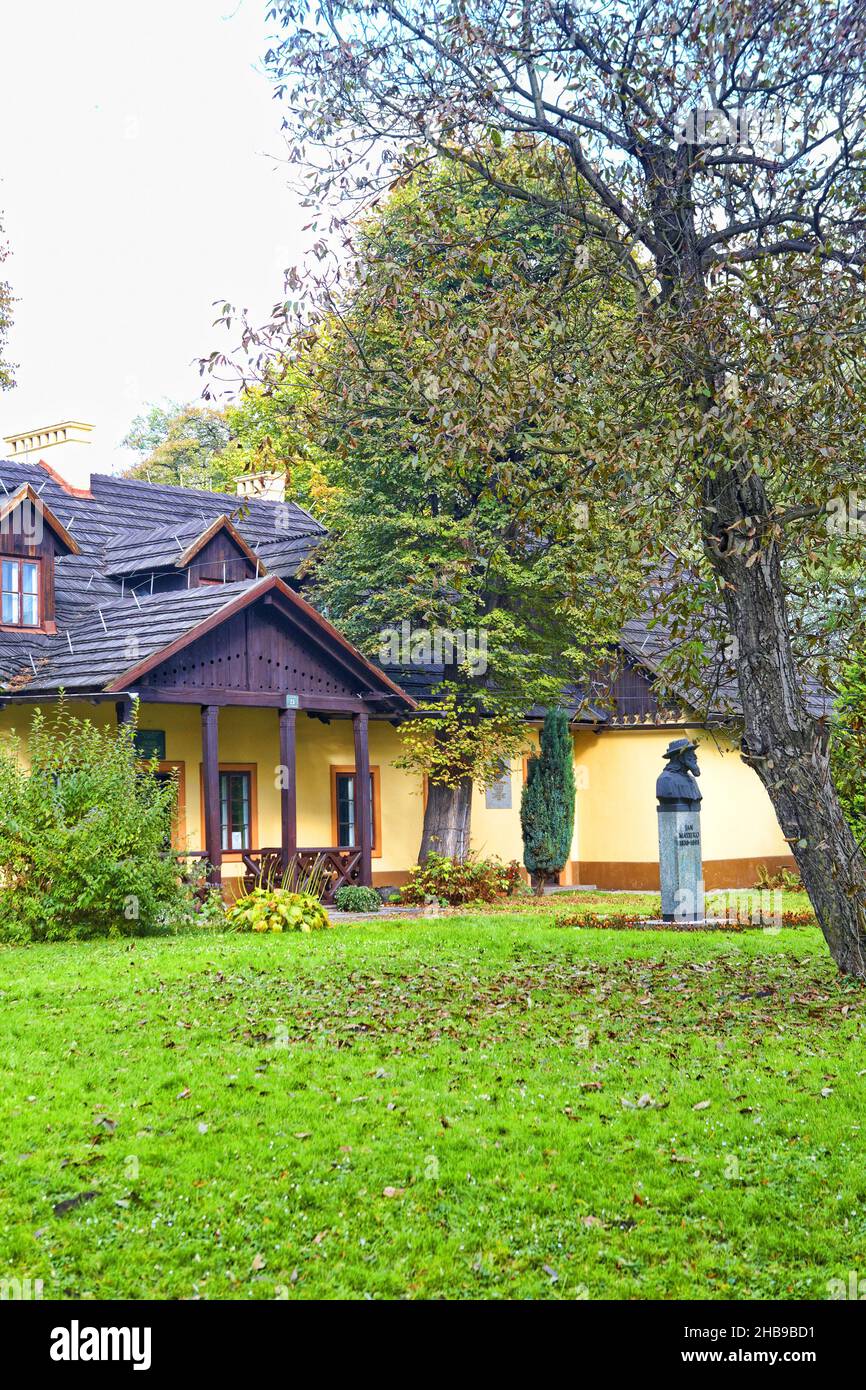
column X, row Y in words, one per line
column 848, row 743
column 271, row 433
column 455, row 518
column 355, row 898
column 786, row 879
column 277, row 910
column 455, row 883
column 462, row 740
column 189, row 445
column 6, row 376
column 207, row 909
column 547, row 802
column 83, row 834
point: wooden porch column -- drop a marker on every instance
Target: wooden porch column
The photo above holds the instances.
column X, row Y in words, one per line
column 124, row 709
column 363, row 801
column 210, row 762
column 288, row 787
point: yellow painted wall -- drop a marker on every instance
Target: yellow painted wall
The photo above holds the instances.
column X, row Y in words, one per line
column 616, row 807
column 251, row 736
column 615, row 774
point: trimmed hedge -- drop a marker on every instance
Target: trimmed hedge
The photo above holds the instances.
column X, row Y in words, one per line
column 355, row 898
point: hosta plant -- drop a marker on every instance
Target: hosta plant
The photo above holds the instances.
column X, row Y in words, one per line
column 277, row 910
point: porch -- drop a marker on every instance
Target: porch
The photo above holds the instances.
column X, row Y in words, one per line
column 243, row 807
column 341, row 867
column 261, row 664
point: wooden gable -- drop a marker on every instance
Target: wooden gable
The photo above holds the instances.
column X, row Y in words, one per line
column 625, row 691
column 254, row 651
column 29, row 530
column 222, row 560
column 269, row 647
column 29, row 527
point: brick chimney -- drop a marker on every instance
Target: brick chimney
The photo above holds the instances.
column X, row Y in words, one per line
column 64, row 450
column 270, row 487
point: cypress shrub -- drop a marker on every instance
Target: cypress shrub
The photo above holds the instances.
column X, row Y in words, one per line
column 547, row 803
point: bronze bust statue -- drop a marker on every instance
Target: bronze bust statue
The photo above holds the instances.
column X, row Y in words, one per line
column 676, row 788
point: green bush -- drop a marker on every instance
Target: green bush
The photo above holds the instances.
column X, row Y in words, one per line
column 547, row 802
column 84, row 832
column 353, row 898
column 277, row 909
column 473, row 880
column 848, row 744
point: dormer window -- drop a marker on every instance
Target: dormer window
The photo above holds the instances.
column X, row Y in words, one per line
column 20, row 592
column 32, row 539
column 183, row 557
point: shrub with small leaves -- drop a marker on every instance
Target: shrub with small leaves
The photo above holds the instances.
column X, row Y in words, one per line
column 473, row 880
column 84, row 836
column 354, row 898
column 277, row 910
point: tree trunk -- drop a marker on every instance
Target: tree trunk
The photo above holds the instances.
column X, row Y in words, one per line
column 782, row 741
column 446, row 820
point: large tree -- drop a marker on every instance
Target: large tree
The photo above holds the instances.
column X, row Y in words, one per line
column 448, row 545
column 716, row 154
column 6, row 374
column 189, row 445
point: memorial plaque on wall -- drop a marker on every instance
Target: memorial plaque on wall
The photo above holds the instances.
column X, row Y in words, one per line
column 498, row 795
column 150, row 744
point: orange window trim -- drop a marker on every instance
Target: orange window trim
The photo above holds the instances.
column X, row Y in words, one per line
column 235, row 856
column 377, row 805
column 178, row 829
column 45, row 624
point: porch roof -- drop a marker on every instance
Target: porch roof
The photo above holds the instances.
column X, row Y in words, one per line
column 116, row 647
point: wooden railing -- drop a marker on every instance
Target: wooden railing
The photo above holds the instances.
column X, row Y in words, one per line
column 339, row 866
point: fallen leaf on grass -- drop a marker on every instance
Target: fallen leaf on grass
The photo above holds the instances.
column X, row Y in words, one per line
column 259, row 1262
column 69, row 1203
column 702, row 1105
column 644, row 1102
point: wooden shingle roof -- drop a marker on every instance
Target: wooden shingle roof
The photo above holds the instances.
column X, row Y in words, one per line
column 124, row 530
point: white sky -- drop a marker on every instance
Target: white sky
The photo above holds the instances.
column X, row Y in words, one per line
column 140, row 180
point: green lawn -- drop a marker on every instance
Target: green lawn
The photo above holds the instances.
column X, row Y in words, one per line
column 458, row 1107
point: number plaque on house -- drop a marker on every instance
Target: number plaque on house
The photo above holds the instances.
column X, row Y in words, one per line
column 679, row 813
column 291, row 702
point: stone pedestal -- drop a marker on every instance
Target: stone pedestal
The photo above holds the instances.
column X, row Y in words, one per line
column 680, row 868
